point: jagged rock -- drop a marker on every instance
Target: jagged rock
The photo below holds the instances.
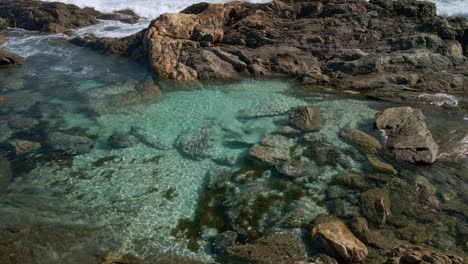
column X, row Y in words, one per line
column 408, row 134
column 198, row 143
column 121, row 140
column 8, row 59
column 417, row 254
column 306, row 119
column 275, row 248
column 362, row 140
column 70, row 144
column 147, row 138
column 380, row 165
column 335, row 238
column 272, row 150
column 6, row 173
column 376, row 205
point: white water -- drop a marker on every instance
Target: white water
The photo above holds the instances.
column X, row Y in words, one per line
column 153, row 8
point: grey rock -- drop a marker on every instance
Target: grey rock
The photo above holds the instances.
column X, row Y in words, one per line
column 70, row 144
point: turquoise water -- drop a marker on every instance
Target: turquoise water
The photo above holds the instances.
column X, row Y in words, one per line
column 136, row 197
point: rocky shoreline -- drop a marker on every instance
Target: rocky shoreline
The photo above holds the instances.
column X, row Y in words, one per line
column 393, row 50
column 382, row 49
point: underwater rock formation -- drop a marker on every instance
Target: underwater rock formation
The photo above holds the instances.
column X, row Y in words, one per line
column 362, row 140
column 336, row 239
column 306, row 119
column 70, row 144
column 408, row 135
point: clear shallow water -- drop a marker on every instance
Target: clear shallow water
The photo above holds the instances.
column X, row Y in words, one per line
column 135, row 197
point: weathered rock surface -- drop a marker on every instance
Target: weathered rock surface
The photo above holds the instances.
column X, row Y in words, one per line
column 408, row 135
column 416, row 254
column 380, row 166
column 306, row 119
column 384, row 49
column 53, row 17
column 336, row 239
column 7, row 59
column 274, row 248
column 362, row 140
column 272, row 150
column 376, row 205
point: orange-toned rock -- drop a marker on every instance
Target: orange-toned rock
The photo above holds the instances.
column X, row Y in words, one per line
column 337, row 240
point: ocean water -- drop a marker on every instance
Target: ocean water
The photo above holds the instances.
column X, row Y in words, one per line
column 152, row 9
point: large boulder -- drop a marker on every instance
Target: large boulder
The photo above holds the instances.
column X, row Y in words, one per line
column 306, row 119
column 7, row 59
column 336, row 239
column 408, row 135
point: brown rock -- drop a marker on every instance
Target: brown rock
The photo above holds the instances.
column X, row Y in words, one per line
column 408, row 134
column 351, row 180
column 8, row 59
column 3, row 39
column 274, row 248
column 416, row 254
column 306, row 118
column 362, row 140
column 381, row 166
column 336, row 239
column 376, row 205
column 21, row 147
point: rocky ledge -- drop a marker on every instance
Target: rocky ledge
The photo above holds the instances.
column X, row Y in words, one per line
column 53, row 17
column 381, row 48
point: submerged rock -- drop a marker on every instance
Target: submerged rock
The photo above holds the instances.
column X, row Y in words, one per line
column 362, row 140
column 417, row 254
column 22, row 147
column 198, row 143
column 147, row 138
column 70, row 144
column 122, row 140
column 351, row 180
column 281, row 248
column 408, row 134
column 376, row 205
column 3, row 39
column 6, row 173
column 306, row 119
column 272, row 150
column 334, row 237
column 380, row 165
column 8, row 59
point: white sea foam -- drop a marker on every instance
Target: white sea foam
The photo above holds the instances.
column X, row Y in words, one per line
column 153, row 8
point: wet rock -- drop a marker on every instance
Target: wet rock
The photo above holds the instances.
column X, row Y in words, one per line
column 122, row 140
column 408, row 134
column 334, row 237
column 321, row 259
column 312, row 138
column 380, row 165
column 6, row 173
column 223, row 241
column 287, row 131
column 218, row 178
column 46, row 17
column 362, row 140
column 147, row 138
column 70, row 144
column 198, row 143
column 306, row 119
column 292, row 169
column 326, row 155
column 275, row 248
column 9, row 59
column 3, row 24
column 3, row 39
column 272, row 150
column 22, row 147
column 376, row 205
column 112, row 258
column 343, row 208
column 19, row 122
column 351, row 180
column 417, row 254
